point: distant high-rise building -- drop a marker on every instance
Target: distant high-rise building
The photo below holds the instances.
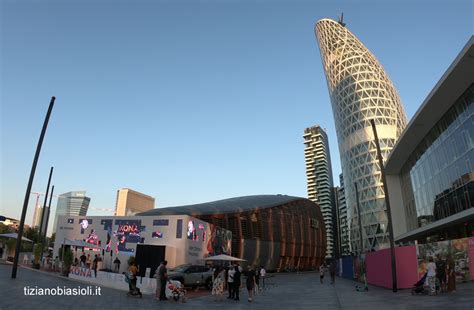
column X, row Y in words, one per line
column 130, row 202
column 71, row 203
column 360, row 91
column 319, row 176
column 37, row 216
column 342, row 219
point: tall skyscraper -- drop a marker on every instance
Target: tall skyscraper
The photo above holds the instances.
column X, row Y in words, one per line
column 130, row 202
column 319, row 178
column 342, row 219
column 360, row 90
column 71, row 203
column 37, row 216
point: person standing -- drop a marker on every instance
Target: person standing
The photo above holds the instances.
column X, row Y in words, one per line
column 56, row 264
column 257, row 281
column 158, row 282
column 431, row 277
column 263, row 273
column 441, row 273
column 451, row 276
column 230, row 282
column 89, row 261
column 83, row 260
column 94, row 265
column 163, row 274
column 321, row 273
column 332, row 271
column 117, row 264
column 237, row 275
column 250, row 282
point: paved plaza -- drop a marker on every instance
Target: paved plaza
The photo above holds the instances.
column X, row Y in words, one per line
column 284, row 291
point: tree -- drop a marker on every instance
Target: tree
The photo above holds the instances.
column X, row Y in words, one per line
column 32, row 234
column 4, row 229
column 52, row 239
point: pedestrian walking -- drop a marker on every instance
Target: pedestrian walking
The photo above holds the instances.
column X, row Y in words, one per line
column 431, row 277
column 263, row 274
column 163, row 274
column 250, row 282
column 321, row 273
column 158, row 282
column 257, row 281
column 230, row 282
column 441, row 273
column 332, row 271
column 83, row 260
column 451, row 273
column 117, row 264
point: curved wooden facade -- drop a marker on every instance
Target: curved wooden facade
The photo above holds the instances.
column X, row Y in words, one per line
column 285, row 234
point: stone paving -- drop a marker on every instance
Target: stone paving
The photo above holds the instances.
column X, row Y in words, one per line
column 284, row 291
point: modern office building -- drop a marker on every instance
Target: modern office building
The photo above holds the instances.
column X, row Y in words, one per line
column 430, row 172
column 319, row 179
column 276, row 231
column 71, row 204
column 343, row 227
column 360, row 90
column 37, row 216
column 130, row 202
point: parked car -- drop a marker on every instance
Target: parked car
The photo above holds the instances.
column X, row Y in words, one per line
column 192, row 275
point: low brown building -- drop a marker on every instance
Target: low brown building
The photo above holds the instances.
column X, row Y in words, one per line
column 276, row 231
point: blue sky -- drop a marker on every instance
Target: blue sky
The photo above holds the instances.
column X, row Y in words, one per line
column 192, row 101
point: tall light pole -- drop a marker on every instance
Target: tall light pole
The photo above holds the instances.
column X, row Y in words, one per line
column 49, row 212
column 389, row 212
column 28, row 188
column 40, row 233
column 358, row 217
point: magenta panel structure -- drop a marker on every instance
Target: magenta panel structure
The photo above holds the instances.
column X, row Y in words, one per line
column 379, row 268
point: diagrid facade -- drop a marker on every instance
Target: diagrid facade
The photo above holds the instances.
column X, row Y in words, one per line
column 319, row 177
column 360, row 90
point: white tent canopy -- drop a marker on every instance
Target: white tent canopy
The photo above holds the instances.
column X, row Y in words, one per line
column 15, row 236
column 223, row 257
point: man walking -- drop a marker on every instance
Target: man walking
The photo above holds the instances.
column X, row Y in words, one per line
column 332, row 271
column 162, row 273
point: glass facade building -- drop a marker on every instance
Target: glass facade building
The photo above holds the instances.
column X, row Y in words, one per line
column 438, row 178
column 430, row 172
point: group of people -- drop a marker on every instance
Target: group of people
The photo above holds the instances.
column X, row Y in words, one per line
column 230, row 277
column 332, row 272
column 87, row 262
column 442, row 271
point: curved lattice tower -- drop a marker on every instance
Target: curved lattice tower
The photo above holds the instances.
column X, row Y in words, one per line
column 360, row 90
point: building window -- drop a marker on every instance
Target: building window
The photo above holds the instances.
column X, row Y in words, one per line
column 179, row 229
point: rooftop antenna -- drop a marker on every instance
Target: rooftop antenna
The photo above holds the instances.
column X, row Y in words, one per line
column 341, row 20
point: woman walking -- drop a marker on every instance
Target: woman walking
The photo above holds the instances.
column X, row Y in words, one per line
column 250, row 282
column 321, row 273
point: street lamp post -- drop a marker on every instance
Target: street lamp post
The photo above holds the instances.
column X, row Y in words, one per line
column 389, row 212
column 28, row 189
column 358, row 217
